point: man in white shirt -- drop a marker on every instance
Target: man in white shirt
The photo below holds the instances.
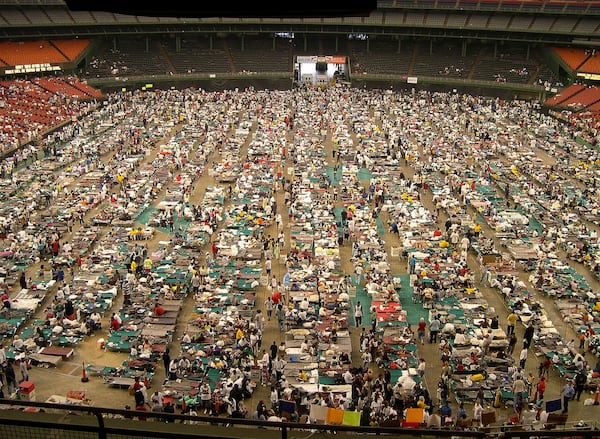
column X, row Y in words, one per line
column 157, row 401
column 348, row 377
column 279, row 365
column 304, row 304
column 388, row 411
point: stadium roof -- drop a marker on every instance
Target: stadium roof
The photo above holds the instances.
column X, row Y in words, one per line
column 182, row 9
column 556, row 22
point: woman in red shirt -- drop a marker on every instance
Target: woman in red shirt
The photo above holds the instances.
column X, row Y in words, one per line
column 541, row 388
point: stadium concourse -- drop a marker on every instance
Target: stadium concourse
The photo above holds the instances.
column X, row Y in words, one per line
column 361, row 188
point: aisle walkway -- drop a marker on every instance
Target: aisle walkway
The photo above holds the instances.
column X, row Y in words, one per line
column 414, row 309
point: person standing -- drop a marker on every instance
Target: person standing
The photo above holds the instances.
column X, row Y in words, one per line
column 366, row 359
column 512, row 342
column 580, row 382
column 568, row 392
column 421, row 327
column 269, row 307
column 531, row 383
column 477, row 411
column 265, row 368
column 523, row 356
column 280, row 313
column 518, row 388
column 11, row 378
column 6, row 302
column 166, row 360
column 259, row 320
column 434, row 329
column 273, row 350
column 205, row 396
column 421, row 367
column 23, row 370
column 274, row 284
column 511, row 321
column 373, row 319
column 279, row 365
column 358, row 313
column 157, row 402
column 172, row 370
column 3, row 357
column 486, row 343
column 412, row 264
column 528, row 335
column 540, row 390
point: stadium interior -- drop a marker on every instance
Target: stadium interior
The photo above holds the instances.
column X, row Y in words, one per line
column 56, row 54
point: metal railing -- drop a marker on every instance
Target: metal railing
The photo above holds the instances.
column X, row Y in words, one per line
column 32, row 420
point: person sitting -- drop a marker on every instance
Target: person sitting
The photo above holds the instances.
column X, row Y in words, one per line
column 345, row 358
column 83, row 328
column 18, row 343
column 434, row 421
column 446, row 412
column 115, row 323
column 464, row 422
column 158, row 310
column 95, row 321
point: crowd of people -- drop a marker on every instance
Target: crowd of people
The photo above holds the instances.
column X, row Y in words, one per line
column 425, row 143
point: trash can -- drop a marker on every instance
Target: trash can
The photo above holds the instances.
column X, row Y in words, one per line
column 27, row 391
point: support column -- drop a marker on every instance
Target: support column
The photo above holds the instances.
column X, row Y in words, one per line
column 430, row 47
column 147, row 44
column 242, row 47
column 177, row 44
column 463, row 51
column 495, row 50
column 367, row 45
column 210, row 42
column 399, row 45
column 115, row 46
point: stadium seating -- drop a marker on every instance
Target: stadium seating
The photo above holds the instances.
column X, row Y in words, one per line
column 72, row 49
column 35, row 52
column 258, row 55
column 573, row 57
column 38, row 105
column 567, row 93
column 583, row 99
column 197, row 56
column 591, row 64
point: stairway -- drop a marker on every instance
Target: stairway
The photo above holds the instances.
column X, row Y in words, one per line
column 167, row 58
column 232, row 65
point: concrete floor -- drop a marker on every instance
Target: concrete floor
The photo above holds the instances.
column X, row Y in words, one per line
column 67, row 376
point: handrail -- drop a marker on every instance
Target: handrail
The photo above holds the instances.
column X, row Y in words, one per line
column 142, row 429
column 101, row 413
